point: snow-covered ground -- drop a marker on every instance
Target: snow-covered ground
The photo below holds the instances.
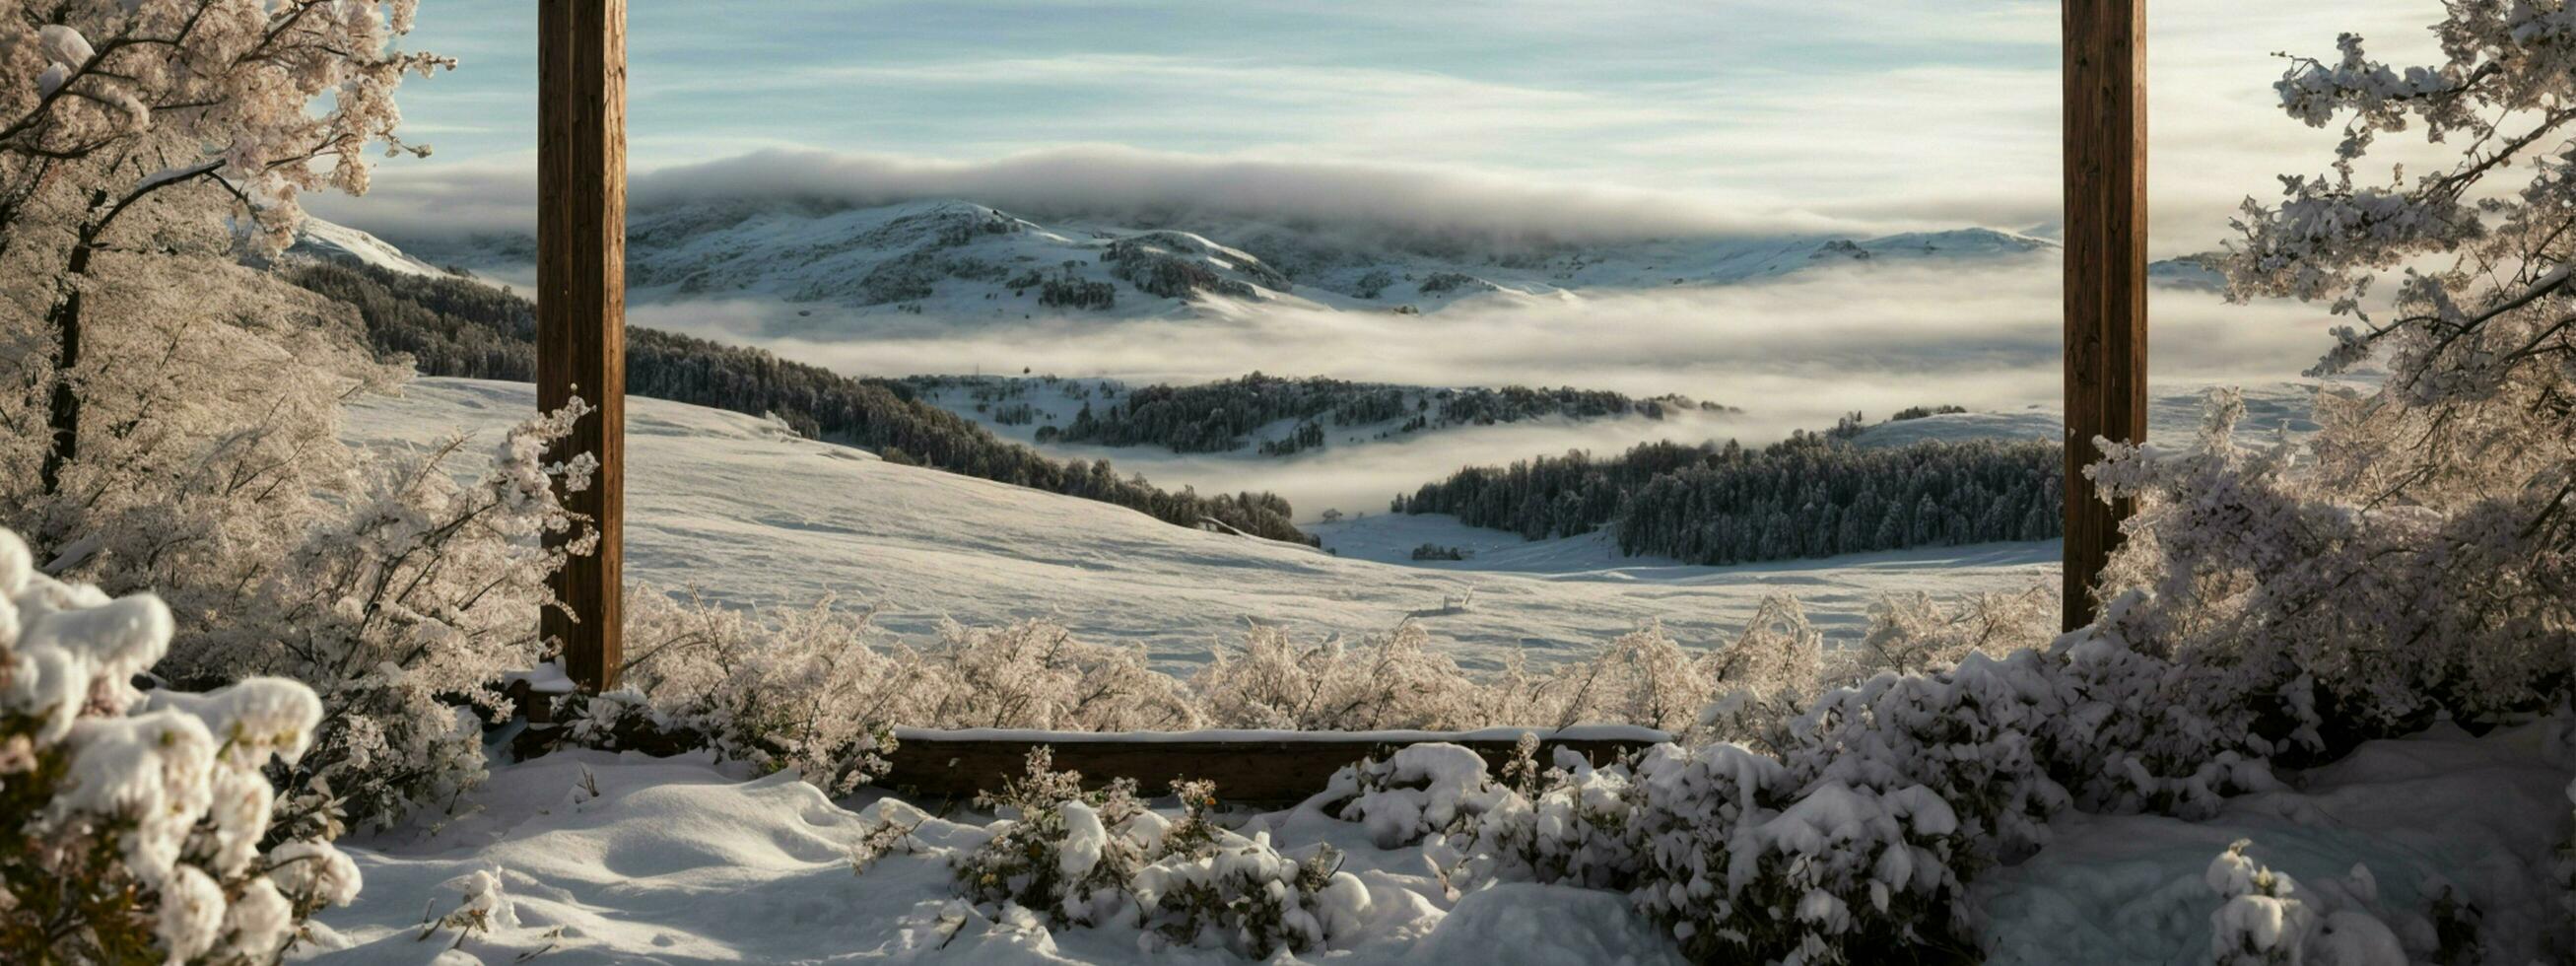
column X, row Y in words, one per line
column 757, row 516
column 680, row 861
column 607, row 858
column 2385, row 831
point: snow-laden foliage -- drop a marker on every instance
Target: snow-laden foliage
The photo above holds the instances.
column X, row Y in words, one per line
column 172, row 421
column 1741, row 857
column 2265, row 919
column 1394, row 680
column 151, row 128
column 808, row 693
column 822, row 691
column 1093, row 858
column 1418, row 790
column 134, row 824
column 1034, row 674
column 1398, row 680
column 400, row 586
column 2419, row 554
column 1912, row 632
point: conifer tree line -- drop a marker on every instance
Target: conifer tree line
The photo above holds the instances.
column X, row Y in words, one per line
column 1222, row 416
column 458, row 327
column 1812, row 495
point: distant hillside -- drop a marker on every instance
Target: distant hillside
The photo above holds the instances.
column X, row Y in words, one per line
column 1812, row 495
column 961, row 261
column 1274, row 415
column 453, row 326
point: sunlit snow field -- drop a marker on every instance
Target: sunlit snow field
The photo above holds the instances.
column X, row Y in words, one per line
column 747, row 513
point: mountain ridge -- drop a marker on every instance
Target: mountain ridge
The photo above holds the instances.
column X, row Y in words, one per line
column 963, row 260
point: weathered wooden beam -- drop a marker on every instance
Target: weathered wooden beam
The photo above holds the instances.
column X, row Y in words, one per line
column 1246, row 767
column 581, row 303
column 2106, row 270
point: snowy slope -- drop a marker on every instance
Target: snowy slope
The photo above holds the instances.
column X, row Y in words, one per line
column 324, row 239
column 757, row 516
column 960, row 261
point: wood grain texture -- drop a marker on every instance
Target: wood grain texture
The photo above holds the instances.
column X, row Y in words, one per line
column 1244, row 771
column 581, row 303
column 2106, row 270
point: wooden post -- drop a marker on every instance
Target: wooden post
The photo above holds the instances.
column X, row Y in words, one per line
column 2106, row 270
column 581, row 303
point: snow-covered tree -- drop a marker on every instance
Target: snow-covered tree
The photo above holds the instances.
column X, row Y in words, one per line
column 173, row 418
column 2419, row 554
column 114, row 112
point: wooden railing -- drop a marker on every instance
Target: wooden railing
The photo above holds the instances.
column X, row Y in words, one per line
column 1264, row 767
column 1272, row 767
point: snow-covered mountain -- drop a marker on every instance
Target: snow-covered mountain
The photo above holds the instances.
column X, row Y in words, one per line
column 961, row 260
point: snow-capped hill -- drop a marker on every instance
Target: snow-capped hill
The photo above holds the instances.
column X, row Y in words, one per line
column 323, row 239
column 951, row 258
column 957, row 260
column 1956, row 243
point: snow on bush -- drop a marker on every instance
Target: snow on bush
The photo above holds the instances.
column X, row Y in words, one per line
column 817, row 690
column 809, row 693
column 1419, row 790
column 1098, row 858
column 1393, row 680
column 1034, row 674
column 1912, row 633
column 134, row 823
column 2263, row 919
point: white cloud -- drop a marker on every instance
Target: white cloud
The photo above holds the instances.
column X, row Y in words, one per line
column 1115, row 182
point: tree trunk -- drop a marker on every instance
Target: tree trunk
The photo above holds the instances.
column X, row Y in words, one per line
column 63, row 413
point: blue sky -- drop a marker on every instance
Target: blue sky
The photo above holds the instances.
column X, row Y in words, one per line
column 1890, row 114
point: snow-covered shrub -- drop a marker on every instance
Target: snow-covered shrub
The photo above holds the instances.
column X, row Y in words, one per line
column 1982, row 736
column 1091, row 858
column 402, row 607
column 172, row 417
column 1243, row 895
column 1568, row 823
column 808, row 691
column 1393, row 680
column 1034, row 674
column 1766, row 675
column 1912, row 632
column 216, row 479
column 2260, row 920
column 481, row 904
column 2263, row 919
column 1743, row 864
column 1419, row 790
column 133, row 824
column 1642, row 677
column 1737, row 691
column 1054, row 850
